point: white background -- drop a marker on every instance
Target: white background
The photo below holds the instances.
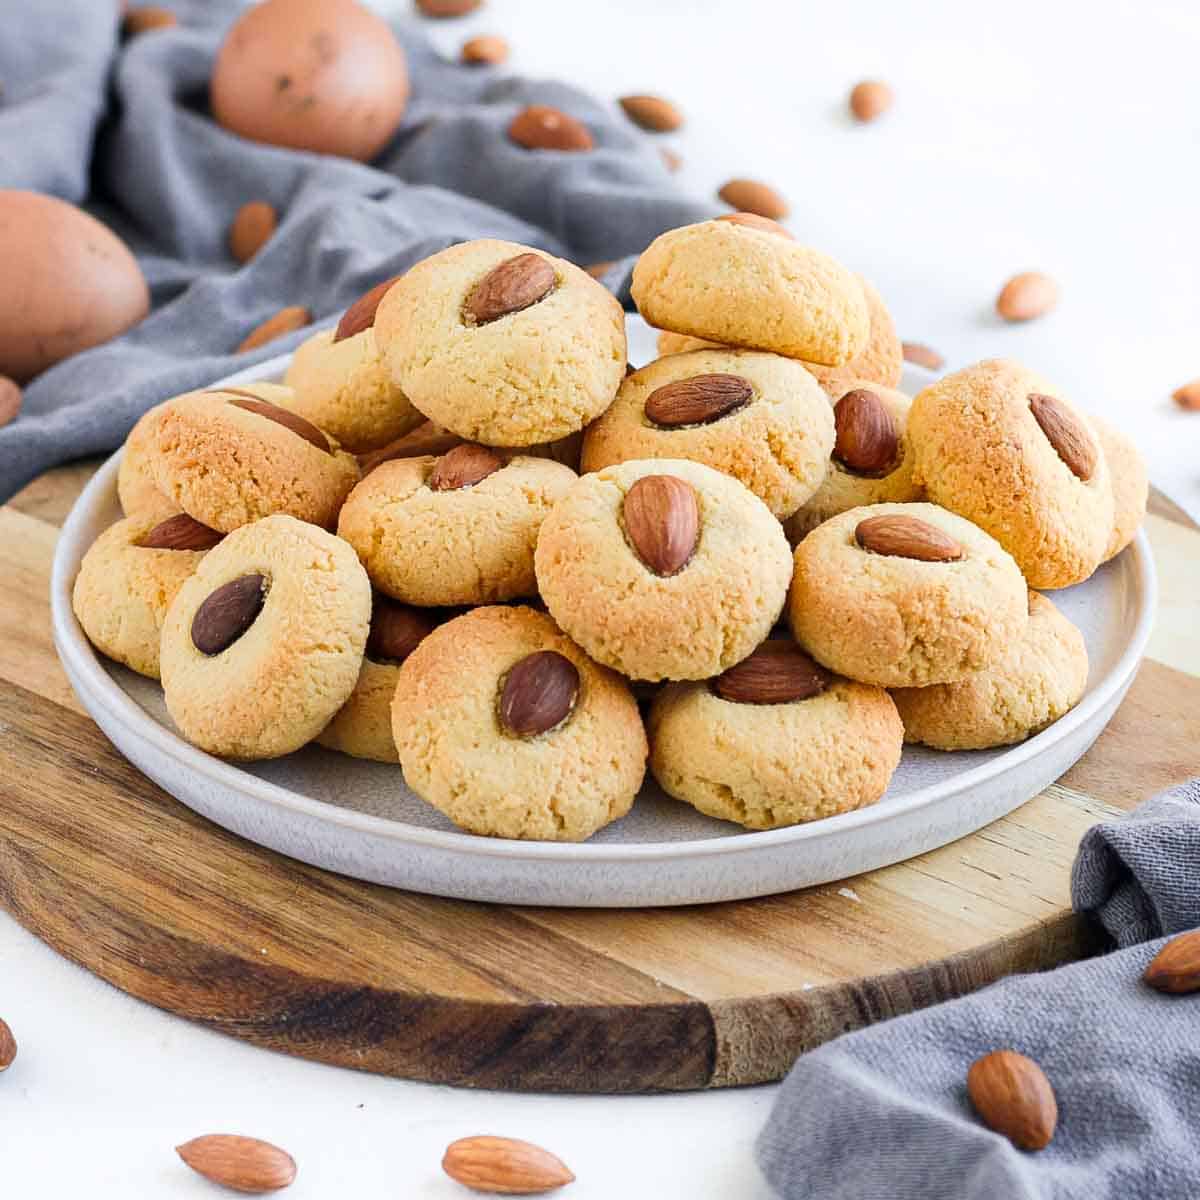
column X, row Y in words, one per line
column 1042, row 134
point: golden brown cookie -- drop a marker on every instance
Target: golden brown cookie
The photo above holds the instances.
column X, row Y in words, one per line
column 136, row 489
column 1130, row 485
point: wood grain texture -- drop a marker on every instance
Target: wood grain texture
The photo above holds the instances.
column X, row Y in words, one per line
column 113, row 873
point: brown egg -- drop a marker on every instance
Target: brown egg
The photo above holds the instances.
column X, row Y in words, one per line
column 324, row 75
column 68, row 283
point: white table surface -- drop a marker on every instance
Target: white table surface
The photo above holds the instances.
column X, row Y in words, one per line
column 1025, row 135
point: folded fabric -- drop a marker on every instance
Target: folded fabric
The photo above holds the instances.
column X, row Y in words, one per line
column 884, row 1112
column 169, row 180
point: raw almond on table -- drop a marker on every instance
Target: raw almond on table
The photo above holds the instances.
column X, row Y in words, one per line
column 486, row 49
column 8, row 1046
column 1013, row 1096
column 1175, row 969
column 1188, row 396
column 540, row 127
column 662, row 522
column 922, row 355
column 252, row 227
column 241, row 1163
column 897, row 536
column 1026, row 296
column 286, row 320
column 748, row 195
column 505, row 1166
column 652, row 113
column 870, row 99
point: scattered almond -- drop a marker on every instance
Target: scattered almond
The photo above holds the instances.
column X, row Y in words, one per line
column 505, row 1165
column 1187, row 397
column 146, row 17
column 748, row 195
column 652, row 113
column 600, row 269
column 867, row 441
column 540, row 127
column 671, row 159
column 754, row 221
column 8, row 1046
column 539, row 693
column 227, row 613
column 11, row 397
column 448, row 8
column 513, row 285
column 1175, row 969
column 662, row 522
column 1013, row 1096
column 286, row 320
column 870, row 99
column 776, row 673
column 898, row 536
column 486, row 49
column 288, row 419
column 396, row 630
column 922, row 356
column 241, row 1163
column 1026, row 296
column 464, row 466
column 180, row 532
column 252, row 228
column 699, row 400
column 1066, row 433
column 361, row 314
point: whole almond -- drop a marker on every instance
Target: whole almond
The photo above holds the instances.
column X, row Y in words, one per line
column 8, row 1046
column 652, row 113
column 227, row 613
column 180, row 532
column 1187, row 397
column 748, row 195
column 754, row 221
column 1013, row 1096
column 867, row 441
column 539, row 693
column 540, row 127
column 241, row 1163
column 426, row 439
column 146, row 17
column 288, row 419
column 396, row 630
column 286, row 320
column 870, row 99
column 487, row 50
column 513, row 285
column 1066, row 433
column 464, row 466
column 361, row 314
column 11, row 397
column 448, row 8
column 253, row 226
column 1176, row 967
column 504, row 1165
column 899, row 536
column 699, row 400
column 662, row 522
column 672, row 160
column 1025, row 296
column 776, row 673
column 922, row 356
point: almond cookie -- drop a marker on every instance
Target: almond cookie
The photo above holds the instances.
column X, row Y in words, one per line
column 872, row 460
column 362, row 727
column 904, row 595
column 459, row 529
column 881, row 362
column 774, row 741
column 741, row 286
column 1000, row 446
column 758, row 417
column 263, row 644
column 128, row 578
column 503, row 344
column 508, row 728
column 1039, row 677
column 1130, row 485
column 228, row 457
column 663, row 568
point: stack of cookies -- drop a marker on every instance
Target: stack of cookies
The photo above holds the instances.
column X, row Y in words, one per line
column 465, row 537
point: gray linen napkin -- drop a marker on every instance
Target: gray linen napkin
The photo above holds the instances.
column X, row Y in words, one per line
column 884, row 1112
column 79, row 106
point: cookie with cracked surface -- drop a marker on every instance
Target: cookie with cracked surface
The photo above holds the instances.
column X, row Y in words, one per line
column 1040, row 677
column 229, row 457
column 872, row 460
column 504, row 725
column 503, row 344
column 775, row 741
column 740, row 286
column 263, row 644
column 904, row 595
column 663, row 568
column 458, row 529
column 128, row 578
column 1130, row 485
column 758, row 417
column 1002, row 447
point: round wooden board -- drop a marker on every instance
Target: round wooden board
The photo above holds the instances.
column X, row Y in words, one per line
column 114, row 874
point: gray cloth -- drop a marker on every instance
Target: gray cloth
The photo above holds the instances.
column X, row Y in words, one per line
column 131, row 120
column 884, row 1112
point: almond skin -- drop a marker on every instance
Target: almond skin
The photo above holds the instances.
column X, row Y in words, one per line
column 898, row 536
column 1012, row 1095
column 867, row 441
column 754, row 221
column 1063, row 430
column 870, row 99
column 510, row 286
column 146, row 17
column 426, row 439
column 361, row 314
column 447, row 8
column 652, row 113
column 288, row 419
column 8, row 1046
column 485, row 50
column 241, row 1163
column 505, row 1166
column 922, row 355
column 699, row 400
column 1187, row 397
column 396, row 630
column 748, row 195
column 539, row 693
column 662, row 522
column 227, row 613
column 180, row 532
column 286, row 320
column 1175, row 969
column 776, row 673
column 540, row 127
column 11, row 398
column 252, row 228
column 463, row 466
column 1026, row 296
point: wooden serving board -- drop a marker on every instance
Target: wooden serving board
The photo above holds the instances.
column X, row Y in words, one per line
column 116, row 875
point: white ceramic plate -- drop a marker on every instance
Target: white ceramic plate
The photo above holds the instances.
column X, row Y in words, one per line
column 359, row 819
